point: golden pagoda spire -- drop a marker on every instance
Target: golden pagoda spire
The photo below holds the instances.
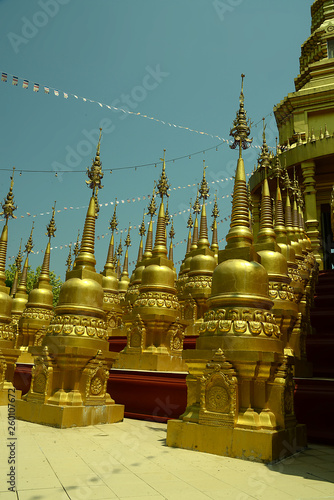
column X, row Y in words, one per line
column 110, row 257
column 142, row 232
column 149, row 241
column 18, row 263
column 152, row 207
column 264, row 156
column 167, row 215
column 160, row 248
column 240, row 234
column 204, row 187
column 86, row 257
column 44, row 277
column 215, row 213
column 76, row 246
column 190, row 224
column 69, row 259
column 203, row 241
column 163, row 185
column 8, row 209
column 195, row 235
column 279, row 226
column 171, row 236
column 266, row 233
column 127, row 243
column 22, row 288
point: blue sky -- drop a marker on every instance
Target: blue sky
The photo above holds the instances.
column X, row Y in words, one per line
column 179, row 62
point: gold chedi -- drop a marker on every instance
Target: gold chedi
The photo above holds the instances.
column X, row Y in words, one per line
column 240, row 391
column 197, row 287
column 8, row 354
column 71, row 370
column 38, row 311
column 17, row 276
column 20, row 298
column 155, row 332
column 111, row 299
column 124, row 279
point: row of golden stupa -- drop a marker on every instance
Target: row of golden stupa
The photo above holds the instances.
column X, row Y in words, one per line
column 248, row 304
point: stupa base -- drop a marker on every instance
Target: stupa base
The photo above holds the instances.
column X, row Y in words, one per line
column 256, row 445
column 68, row 416
column 151, row 361
column 25, row 356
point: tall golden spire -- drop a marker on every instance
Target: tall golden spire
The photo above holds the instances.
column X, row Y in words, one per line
column 109, row 265
column 266, row 233
column 76, row 246
column 215, row 213
column 171, row 236
column 149, row 241
column 240, row 234
column 142, row 232
column 86, row 257
column 264, row 156
column 160, row 248
column 204, row 187
column 44, row 277
column 8, row 209
column 203, row 240
column 190, row 224
column 197, row 210
column 69, row 259
column 125, row 273
column 18, row 263
column 152, row 207
column 163, row 185
column 22, row 288
column 279, row 226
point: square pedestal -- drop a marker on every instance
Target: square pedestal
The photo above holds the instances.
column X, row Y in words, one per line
column 259, row 446
column 150, row 361
column 68, row 416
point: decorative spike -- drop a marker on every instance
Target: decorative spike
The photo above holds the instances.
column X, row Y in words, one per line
column 203, row 240
column 266, row 233
column 119, row 248
column 29, row 245
column 172, row 231
column 23, row 281
column 215, row 210
column 95, row 173
column 69, row 259
column 8, row 206
column 321, row 135
column 163, row 185
column 264, row 156
column 44, row 277
column 3, row 252
column 241, row 128
column 239, row 234
column 110, row 257
column 152, row 207
column 118, row 270
column 142, row 229
column 149, row 241
column 171, row 251
column 190, row 222
column 160, row 248
column 18, row 263
column 85, row 257
column 204, row 187
column 113, row 221
column 125, row 272
column 288, row 215
column 197, row 206
column 295, row 222
column 279, row 226
column 76, row 246
column 51, row 227
column 97, row 206
column 167, row 215
column 195, row 235
column 214, row 243
column 128, row 239
column 140, row 251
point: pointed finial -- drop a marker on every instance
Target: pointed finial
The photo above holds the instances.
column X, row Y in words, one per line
column 120, row 249
column 163, row 185
column 29, row 245
column 172, row 232
column 190, row 222
column 264, row 156
column 215, row 210
column 51, row 227
column 19, row 258
column 97, row 206
column 160, row 248
column 86, row 255
column 241, row 128
column 69, row 258
column 8, row 206
column 203, row 232
column 266, row 233
column 197, row 206
column 95, row 173
column 113, row 221
column 167, row 215
column 152, row 207
column 204, row 188
column 76, row 246
column 142, row 229
column 128, row 239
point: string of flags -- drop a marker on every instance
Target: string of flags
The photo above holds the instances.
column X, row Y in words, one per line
column 49, row 90
column 128, row 200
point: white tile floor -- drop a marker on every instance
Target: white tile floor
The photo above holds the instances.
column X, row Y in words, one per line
column 130, row 460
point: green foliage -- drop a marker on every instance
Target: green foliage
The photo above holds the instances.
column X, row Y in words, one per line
column 32, row 278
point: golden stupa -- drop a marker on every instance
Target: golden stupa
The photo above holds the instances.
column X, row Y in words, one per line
column 38, row 311
column 155, row 331
column 71, row 370
column 240, row 384
column 8, row 354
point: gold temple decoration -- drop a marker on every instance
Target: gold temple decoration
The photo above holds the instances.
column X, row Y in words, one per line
column 135, row 280
column 17, row 276
column 240, row 386
column 69, row 258
column 124, row 279
column 154, row 330
column 38, row 311
column 76, row 246
column 71, row 368
column 111, row 299
column 214, row 243
column 8, row 354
